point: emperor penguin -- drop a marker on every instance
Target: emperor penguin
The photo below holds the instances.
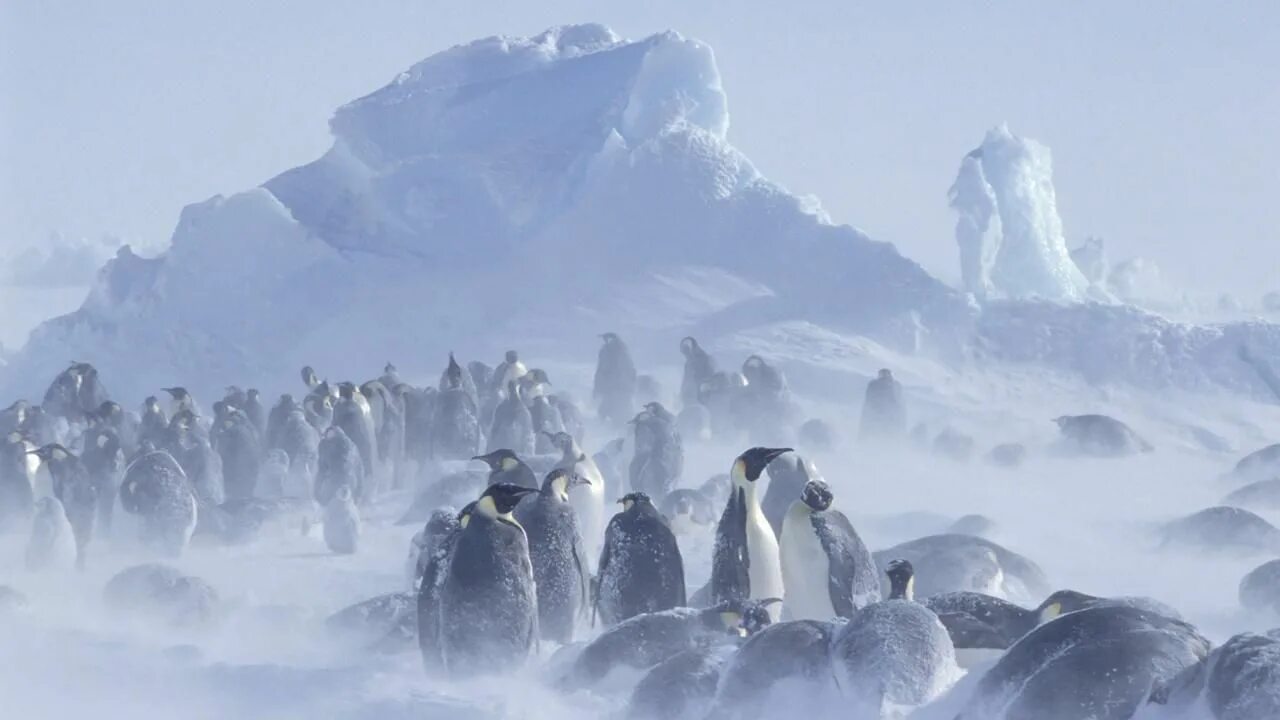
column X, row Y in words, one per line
column 236, row 440
column 180, row 400
column 75, row 489
column 641, row 568
column 659, row 452
column 699, row 366
column 342, row 522
column 17, row 482
column 201, row 463
column 353, row 414
column 506, row 467
column 104, row 458
column 826, row 568
column 52, row 545
column 254, row 408
column 513, row 425
column 291, row 433
column 614, row 388
column 156, row 489
column 508, row 371
column 338, row 464
column 746, row 564
column 587, row 498
column 559, row 561
column 488, row 602
column 455, row 430
column 432, row 566
column 154, row 425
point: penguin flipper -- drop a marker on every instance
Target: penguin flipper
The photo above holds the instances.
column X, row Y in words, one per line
column 834, row 531
column 584, row 577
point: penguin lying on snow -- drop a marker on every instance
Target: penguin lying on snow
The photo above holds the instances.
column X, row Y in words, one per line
column 794, row 655
column 951, row 562
column 155, row 592
column 1100, row 436
column 1222, row 530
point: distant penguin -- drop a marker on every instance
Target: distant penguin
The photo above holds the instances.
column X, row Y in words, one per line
column 441, row 536
column 767, row 409
column 342, row 522
column 353, row 415
column 894, row 653
column 273, row 476
column 570, row 414
column 950, row 562
column 156, row 489
column 506, row 467
column 339, row 464
column 698, row 369
column 456, row 429
column 746, row 564
column 423, row 545
column 817, row 435
column 1099, row 436
column 641, row 569
column 17, row 482
column 154, row 424
column 688, row 510
column 419, row 406
column 201, row 463
column 560, row 569
column 512, row 425
column 788, row 476
column 659, row 452
column 180, row 400
column 614, row 387
column 826, row 568
column 236, row 440
column 586, row 498
column 74, row 487
column 609, row 461
column 488, row 603
column 254, row 408
column 884, row 412
column 1225, row 530
column 318, row 409
column 509, row 371
column 481, row 377
column 104, row 458
column 1007, row 455
column 694, row 423
column 545, row 416
column 52, row 545
column 722, row 395
column 75, row 392
column 124, row 424
column 298, row 439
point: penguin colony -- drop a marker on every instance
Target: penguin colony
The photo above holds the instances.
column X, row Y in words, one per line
column 523, row 553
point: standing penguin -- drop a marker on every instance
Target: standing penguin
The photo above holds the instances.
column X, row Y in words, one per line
column 454, row 420
column 545, row 416
column 236, row 440
column 300, row 441
column 353, row 414
column 505, row 467
column 559, row 560
column 180, row 400
column 826, row 568
column 17, row 482
column 104, row 458
column 440, row 538
column 746, row 564
column 698, row 369
column 338, row 465
column 587, row 498
column 641, row 569
column 255, row 411
column 201, row 463
column 156, row 489
column 52, row 544
column 614, row 388
column 788, row 476
column 154, row 425
column 659, row 452
column 488, row 602
column 73, row 486
column 513, row 425
column 342, row 522
column 508, row 371
column 884, row 414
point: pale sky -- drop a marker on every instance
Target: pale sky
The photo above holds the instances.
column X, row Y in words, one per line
column 1162, row 117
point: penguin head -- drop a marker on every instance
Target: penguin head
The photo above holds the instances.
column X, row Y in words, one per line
column 346, row 390
column 499, row 460
column 561, row 441
column 902, row 580
column 747, row 468
column 151, row 404
column 390, row 369
column 499, row 499
column 464, row 515
column 252, row 394
column 559, row 481
column 817, row 495
column 512, row 357
column 689, row 347
column 885, row 374
column 755, row 616
column 106, row 412
column 309, row 377
column 609, row 338
column 631, row 500
column 1061, row 603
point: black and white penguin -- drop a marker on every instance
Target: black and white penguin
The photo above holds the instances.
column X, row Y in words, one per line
column 1061, row 602
column 512, row 425
column 488, row 602
column 791, row 655
column 456, row 429
column 586, row 498
column 699, row 366
column 339, row 463
column 788, row 475
column 687, row 511
column 75, row 392
column 201, row 463
column 318, row 408
column 441, row 536
column 765, row 408
column 884, row 412
column 291, row 433
column 104, row 458
column 509, row 371
column 254, row 408
column 641, row 569
column 236, row 440
column 154, row 424
column 1102, row 663
column 354, row 416
column 52, row 545
column 894, row 653
column 645, row 640
column 422, row 546
column 746, row 564
column 1099, row 436
column 125, row 424
column 180, row 400
column 17, row 482
column 74, row 488
column 156, row 489
column 506, row 467
column 658, row 461
column 981, row 626
column 342, row 522
column 614, row 387
column 556, row 551
column 826, row 568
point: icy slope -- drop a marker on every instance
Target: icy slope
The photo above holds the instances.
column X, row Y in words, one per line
column 500, row 192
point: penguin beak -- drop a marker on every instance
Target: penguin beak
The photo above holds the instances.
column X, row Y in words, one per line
column 575, row 480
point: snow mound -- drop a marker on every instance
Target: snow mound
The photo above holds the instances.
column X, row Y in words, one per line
column 1009, row 231
column 497, row 194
